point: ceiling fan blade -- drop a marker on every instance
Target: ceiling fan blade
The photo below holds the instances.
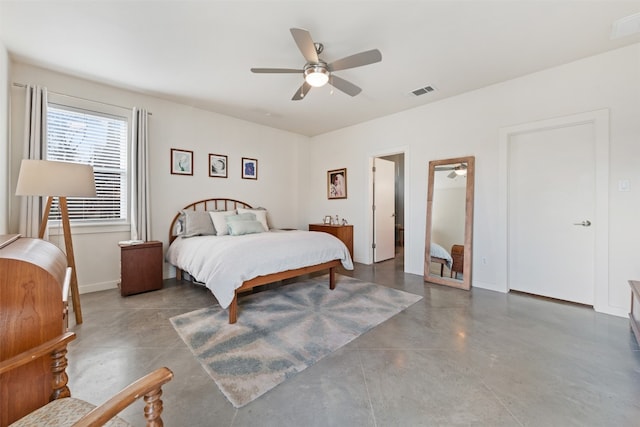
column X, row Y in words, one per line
column 343, row 85
column 357, row 60
column 452, row 175
column 301, row 92
column 305, row 44
column 275, row 70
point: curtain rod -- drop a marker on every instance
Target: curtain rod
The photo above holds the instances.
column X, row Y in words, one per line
column 77, row 97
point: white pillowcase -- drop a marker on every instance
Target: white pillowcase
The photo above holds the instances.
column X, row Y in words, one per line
column 219, row 221
column 261, row 216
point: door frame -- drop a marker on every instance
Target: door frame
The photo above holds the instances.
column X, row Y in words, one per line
column 375, row 215
column 367, row 208
column 600, row 121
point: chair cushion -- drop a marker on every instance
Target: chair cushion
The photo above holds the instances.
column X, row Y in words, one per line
column 62, row 412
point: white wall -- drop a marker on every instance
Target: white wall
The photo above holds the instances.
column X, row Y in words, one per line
column 468, row 125
column 4, row 139
column 290, row 164
column 174, row 126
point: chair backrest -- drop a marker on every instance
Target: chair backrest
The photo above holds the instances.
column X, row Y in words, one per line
column 32, row 273
column 457, row 253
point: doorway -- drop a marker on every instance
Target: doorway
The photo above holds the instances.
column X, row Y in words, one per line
column 387, row 210
column 554, row 201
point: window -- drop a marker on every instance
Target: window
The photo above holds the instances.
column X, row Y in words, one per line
column 97, row 138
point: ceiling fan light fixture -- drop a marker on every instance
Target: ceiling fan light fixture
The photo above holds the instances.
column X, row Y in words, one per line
column 316, row 75
column 461, row 170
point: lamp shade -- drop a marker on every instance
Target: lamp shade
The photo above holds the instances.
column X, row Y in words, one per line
column 49, row 178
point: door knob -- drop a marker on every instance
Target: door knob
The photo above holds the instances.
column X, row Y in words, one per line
column 585, row 223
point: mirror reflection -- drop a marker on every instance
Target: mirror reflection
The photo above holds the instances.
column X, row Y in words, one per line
column 449, row 218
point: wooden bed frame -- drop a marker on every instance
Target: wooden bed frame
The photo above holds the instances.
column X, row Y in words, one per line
column 440, row 261
column 229, row 204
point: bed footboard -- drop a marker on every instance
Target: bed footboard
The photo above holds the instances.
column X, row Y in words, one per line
column 275, row 277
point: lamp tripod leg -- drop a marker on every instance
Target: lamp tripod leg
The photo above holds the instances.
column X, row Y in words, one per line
column 66, row 227
column 68, row 244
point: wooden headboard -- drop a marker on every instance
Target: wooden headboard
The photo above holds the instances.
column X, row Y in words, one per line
column 206, row 205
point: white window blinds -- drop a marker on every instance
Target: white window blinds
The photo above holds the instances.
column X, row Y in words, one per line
column 98, row 139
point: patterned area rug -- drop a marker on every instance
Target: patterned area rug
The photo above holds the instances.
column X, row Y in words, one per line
column 283, row 331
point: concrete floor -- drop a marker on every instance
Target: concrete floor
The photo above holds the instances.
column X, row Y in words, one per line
column 454, row 358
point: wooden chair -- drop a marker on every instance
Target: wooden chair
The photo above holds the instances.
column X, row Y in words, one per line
column 34, row 283
column 64, row 410
column 457, row 253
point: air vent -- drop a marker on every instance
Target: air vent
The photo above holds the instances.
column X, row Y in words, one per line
column 626, row 26
column 423, row 90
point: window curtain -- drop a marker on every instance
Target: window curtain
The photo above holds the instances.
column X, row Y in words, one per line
column 35, row 147
column 140, row 224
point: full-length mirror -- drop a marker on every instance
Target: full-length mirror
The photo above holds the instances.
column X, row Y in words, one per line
column 448, row 246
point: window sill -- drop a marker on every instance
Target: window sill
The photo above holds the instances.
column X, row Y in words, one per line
column 93, row 228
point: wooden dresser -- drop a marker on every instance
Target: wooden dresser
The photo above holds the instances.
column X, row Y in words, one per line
column 33, row 273
column 342, row 232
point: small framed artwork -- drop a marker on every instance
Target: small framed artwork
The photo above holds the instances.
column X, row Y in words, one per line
column 327, row 219
column 337, row 184
column 217, row 166
column 249, row 168
column 181, row 162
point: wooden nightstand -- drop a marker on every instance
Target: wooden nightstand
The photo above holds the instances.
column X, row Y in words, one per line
column 141, row 267
column 342, row 232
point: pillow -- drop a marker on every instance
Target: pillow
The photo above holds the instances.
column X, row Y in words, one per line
column 197, row 223
column 238, row 228
column 261, row 216
column 246, row 216
column 219, row 221
column 178, row 229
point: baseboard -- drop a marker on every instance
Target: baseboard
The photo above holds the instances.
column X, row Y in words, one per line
column 614, row 311
column 488, row 286
column 96, row 287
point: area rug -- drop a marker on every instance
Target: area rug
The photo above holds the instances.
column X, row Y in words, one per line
column 283, row 331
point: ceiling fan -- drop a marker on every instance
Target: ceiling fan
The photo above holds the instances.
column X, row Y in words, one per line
column 317, row 72
column 456, row 170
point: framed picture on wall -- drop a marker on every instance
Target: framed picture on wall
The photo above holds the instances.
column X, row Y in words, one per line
column 181, row 162
column 249, row 168
column 218, row 166
column 337, row 184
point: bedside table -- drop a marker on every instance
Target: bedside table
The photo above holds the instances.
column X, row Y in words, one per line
column 141, row 267
column 342, row 232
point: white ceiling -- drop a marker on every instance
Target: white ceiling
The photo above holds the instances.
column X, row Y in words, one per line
column 199, row 52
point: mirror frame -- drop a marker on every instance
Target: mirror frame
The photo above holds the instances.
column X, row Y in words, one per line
column 465, row 283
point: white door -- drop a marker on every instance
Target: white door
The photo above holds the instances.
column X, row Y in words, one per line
column 551, row 207
column 384, row 217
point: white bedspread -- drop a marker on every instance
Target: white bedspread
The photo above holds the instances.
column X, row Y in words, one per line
column 223, row 263
column 440, row 252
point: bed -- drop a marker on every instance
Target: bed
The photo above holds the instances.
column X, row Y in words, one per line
column 237, row 262
column 439, row 255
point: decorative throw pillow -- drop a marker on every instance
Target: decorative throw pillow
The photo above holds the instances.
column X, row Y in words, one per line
column 219, row 221
column 261, row 216
column 246, row 216
column 197, row 223
column 239, row 228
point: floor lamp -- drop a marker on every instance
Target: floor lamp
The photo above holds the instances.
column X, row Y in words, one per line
column 61, row 180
